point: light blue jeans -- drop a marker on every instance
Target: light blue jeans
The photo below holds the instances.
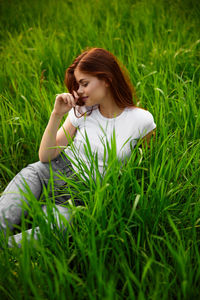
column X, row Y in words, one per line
column 37, row 176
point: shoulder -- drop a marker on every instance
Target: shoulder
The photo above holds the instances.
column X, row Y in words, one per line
column 142, row 119
column 139, row 113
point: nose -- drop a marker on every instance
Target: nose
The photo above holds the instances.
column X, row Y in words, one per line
column 79, row 91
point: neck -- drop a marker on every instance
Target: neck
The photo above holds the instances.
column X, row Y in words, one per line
column 110, row 109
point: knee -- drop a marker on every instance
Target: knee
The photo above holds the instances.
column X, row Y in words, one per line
column 11, row 216
column 28, row 172
column 37, row 165
column 38, row 168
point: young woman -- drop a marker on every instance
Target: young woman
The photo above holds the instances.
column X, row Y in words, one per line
column 99, row 102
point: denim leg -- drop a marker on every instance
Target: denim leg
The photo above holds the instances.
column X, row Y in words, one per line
column 60, row 166
column 11, row 200
column 35, row 175
column 60, row 210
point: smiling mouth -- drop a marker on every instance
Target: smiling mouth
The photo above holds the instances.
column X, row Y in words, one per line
column 81, row 101
column 84, row 98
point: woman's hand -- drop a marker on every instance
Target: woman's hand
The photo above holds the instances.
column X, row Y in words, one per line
column 64, row 102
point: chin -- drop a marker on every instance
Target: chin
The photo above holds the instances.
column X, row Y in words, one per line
column 88, row 103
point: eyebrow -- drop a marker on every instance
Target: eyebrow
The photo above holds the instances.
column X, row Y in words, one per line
column 81, row 80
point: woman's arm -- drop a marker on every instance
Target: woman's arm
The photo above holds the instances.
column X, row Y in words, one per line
column 53, row 136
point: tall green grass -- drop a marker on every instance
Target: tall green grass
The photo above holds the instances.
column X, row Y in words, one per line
column 138, row 235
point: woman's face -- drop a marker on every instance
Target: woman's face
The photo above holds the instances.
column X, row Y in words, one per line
column 91, row 90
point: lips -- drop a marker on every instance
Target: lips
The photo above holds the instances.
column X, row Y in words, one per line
column 84, row 98
column 81, row 101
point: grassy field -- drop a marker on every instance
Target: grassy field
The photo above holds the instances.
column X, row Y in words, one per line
column 138, row 237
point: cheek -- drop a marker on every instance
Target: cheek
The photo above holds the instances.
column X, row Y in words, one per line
column 91, row 89
column 98, row 89
column 95, row 89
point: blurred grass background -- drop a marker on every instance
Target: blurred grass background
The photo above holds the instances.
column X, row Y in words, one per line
column 116, row 252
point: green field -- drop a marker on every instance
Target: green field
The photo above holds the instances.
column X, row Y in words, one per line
column 138, row 236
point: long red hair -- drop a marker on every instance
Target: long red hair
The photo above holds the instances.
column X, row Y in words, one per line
column 105, row 66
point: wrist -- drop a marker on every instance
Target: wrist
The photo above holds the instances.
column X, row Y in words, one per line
column 57, row 115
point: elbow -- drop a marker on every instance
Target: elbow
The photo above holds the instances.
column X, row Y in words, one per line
column 42, row 159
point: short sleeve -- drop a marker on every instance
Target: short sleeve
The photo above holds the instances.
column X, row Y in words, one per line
column 74, row 120
column 147, row 124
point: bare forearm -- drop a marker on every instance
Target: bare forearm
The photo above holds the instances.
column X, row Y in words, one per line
column 53, row 137
column 49, row 138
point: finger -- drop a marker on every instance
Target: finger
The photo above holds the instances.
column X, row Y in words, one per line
column 75, row 95
column 59, row 96
column 65, row 97
column 73, row 101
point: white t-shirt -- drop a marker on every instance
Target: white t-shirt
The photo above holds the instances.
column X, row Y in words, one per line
column 131, row 125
